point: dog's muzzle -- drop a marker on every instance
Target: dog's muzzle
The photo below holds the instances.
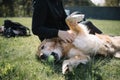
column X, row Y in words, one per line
column 43, row 56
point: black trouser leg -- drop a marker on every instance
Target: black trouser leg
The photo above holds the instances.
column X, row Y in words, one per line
column 93, row 29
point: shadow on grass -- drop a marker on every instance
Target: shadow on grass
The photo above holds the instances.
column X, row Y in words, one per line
column 83, row 72
column 89, row 71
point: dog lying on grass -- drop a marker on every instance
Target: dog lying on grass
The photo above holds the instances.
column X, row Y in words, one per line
column 59, row 49
column 83, row 46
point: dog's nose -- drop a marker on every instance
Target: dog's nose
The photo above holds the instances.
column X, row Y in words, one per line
column 55, row 56
column 43, row 56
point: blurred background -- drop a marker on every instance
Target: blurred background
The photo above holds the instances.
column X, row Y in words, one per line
column 100, row 9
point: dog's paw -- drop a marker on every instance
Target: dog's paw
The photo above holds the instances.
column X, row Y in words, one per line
column 67, row 67
column 117, row 54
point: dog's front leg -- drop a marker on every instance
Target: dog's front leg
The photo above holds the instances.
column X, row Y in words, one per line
column 117, row 54
column 73, row 62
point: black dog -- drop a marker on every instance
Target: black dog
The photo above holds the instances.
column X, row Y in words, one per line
column 12, row 29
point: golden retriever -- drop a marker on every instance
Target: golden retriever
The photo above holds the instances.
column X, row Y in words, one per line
column 83, row 46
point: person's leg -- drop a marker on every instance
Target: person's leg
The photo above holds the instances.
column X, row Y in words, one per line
column 93, row 29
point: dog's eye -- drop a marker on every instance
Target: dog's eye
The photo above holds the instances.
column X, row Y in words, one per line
column 42, row 47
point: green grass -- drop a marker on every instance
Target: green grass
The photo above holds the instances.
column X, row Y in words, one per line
column 18, row 61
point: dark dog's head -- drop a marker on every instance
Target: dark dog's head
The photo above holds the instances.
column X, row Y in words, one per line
column 49, row 47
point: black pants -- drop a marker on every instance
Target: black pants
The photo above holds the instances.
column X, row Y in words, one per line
column 93, row 29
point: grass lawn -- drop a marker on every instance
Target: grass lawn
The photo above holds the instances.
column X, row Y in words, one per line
column 18, row 61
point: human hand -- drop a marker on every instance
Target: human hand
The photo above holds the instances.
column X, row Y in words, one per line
column 67, row 36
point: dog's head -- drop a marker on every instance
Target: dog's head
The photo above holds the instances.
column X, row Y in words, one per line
column 50, row 47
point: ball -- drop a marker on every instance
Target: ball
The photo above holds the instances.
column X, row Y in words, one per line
column 51, row 58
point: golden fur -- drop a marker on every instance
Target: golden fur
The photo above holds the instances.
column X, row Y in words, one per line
column 102, row 44
column 80, row 50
